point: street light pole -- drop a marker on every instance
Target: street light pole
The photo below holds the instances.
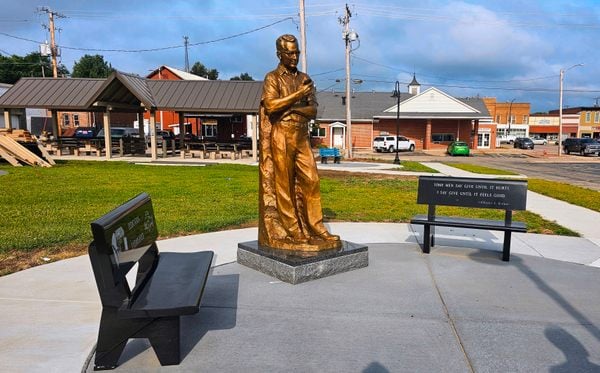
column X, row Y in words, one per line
column 397, row 95
column 560, row 106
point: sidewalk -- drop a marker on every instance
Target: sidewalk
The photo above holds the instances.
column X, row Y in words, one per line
column 458, row 309
column 51, row 313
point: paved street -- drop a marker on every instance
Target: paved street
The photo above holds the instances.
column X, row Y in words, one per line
column 541, row 163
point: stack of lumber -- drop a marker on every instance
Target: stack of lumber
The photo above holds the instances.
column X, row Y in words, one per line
column 17, row 135
column 16, row 153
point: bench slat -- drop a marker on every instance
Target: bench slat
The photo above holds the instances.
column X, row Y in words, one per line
column 175, row 287
column 445, row 221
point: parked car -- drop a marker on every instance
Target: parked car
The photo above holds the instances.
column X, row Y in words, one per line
column 583, row 146
column 85, row 132
column 458, row 148
column 388, row 144
column 537, row 140
column 523, row 143
column 118, row 132
column 162, row 135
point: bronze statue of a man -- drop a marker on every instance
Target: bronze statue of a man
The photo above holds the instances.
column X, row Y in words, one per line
column 290, row 215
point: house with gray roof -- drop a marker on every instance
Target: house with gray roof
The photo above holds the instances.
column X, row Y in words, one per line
column 431, row 118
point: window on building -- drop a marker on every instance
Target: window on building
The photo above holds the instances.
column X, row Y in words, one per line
column 498, row 117
column 513, row 119
column 596, row 116
column 588, row 116
column 317, row 132
column 76, row 120
column 210, row 130
column 66, row 120
column 525, row 119
column 441, row 137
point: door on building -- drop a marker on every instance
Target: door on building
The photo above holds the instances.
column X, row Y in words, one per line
column 337, row 136
column 483, row 140
column 337, row 133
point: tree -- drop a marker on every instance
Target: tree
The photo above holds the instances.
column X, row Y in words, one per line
column 14, row 67
column 92, row 67
column 199, row 69
column 243, row 76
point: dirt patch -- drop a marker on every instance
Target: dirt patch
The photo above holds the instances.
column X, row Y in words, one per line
column 14, row 261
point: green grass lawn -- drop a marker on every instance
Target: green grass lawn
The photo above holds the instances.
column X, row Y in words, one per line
column 416, row 167
column 50, row 208
column 479, row 169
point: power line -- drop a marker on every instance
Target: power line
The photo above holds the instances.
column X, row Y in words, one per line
column 428, row 15
column 459, row 80
column 154, row 49
column 327, row 72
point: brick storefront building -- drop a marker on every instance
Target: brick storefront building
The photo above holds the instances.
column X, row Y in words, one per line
column 432, row 119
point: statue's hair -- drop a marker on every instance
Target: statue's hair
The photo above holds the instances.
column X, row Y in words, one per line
column 287, row 38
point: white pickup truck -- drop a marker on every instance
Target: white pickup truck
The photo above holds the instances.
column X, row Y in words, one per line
column 508, row 139
column 388, row 144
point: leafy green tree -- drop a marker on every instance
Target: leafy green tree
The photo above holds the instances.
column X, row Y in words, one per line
column 243, row 76
column 14, row 67
column 199, row 69
column 92, row 67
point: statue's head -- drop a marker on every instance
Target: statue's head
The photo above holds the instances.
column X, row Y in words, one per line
column 287, row 50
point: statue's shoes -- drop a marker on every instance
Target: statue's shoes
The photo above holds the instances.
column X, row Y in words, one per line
column 298, row 238
column 326, row 236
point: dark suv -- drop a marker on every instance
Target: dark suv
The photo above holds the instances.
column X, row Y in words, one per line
column 583, row 146
column 523, row 143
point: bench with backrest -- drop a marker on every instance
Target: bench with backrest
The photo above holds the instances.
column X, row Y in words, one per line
column 326, row 153
column 507, row 195
column 167, row 285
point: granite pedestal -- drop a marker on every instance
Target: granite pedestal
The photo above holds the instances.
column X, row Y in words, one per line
column 295, row 267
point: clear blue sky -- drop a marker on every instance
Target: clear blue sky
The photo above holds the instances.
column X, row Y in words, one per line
column 505, row 49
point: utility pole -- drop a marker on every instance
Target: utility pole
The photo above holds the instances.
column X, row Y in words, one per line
column 53, row 48
column 187, row 60
column 303, row 38
column 345, row 21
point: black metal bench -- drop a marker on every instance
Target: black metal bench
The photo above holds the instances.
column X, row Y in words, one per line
column 507, row 195
column 167, row 285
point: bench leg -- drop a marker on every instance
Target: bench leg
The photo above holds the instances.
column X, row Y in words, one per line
column 112, row 338
column 336, row 160
column 426, row 238
column 506, row 246
column 164, row 338
column 324, row 160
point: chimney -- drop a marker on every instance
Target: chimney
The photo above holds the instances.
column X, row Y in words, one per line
column 344, row 100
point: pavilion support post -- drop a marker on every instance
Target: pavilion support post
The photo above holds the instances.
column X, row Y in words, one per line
column 254, row 125
column 427, row 142
column 153, row 152
column 55, row 123
column 107, row 134
column 7, row 123
column 140, row 118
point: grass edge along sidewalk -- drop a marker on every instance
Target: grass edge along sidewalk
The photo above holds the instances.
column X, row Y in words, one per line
column 573, row 194
column 48, row 213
